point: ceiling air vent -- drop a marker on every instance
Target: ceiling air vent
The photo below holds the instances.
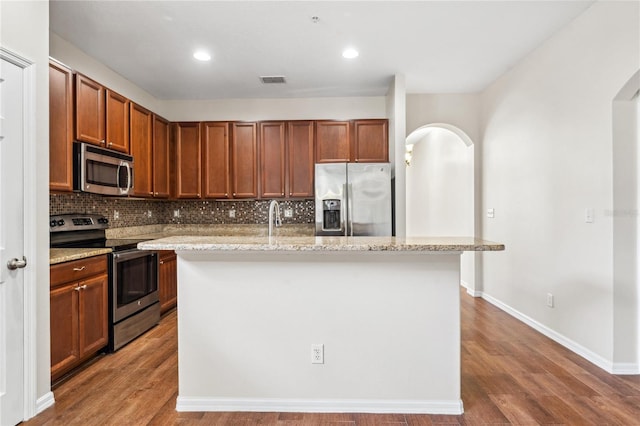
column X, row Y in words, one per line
column 272, row 79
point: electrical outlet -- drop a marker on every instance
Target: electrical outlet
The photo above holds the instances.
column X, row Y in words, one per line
column 116, row 215
column 491, row 213
column 288, row 212
column 176, row 213
column 149, row 213
column 317, row 353
column 232, row 213
column 550, row 300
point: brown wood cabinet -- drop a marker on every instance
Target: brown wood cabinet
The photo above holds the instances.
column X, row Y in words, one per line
column 117, row 121
column 332, row 141
column 370, row 141
column 272, row 159
column 244, row 155
column 90, row 111
column 161, row 154
column 60, row 127
column 78, row 312
column 168, row 280
column 301, row 169
column 186, row 173
column 216, row 160
column 141, row 134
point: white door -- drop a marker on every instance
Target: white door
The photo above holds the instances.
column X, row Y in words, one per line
column 11, row 244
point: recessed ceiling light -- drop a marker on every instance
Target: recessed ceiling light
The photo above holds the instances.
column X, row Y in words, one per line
column 350, row 53
column 201, row 55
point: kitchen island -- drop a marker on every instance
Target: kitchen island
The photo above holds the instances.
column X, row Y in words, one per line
column 319, row 324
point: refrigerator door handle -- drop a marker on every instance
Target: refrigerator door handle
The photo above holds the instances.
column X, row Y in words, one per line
column 350, row 209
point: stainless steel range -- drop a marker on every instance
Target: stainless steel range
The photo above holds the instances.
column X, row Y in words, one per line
column 133, row 274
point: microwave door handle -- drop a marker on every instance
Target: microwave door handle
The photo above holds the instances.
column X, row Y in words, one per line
column 126, row 190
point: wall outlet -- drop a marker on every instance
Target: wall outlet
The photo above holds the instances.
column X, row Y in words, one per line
column 176, row 213
column 149, row 213
column 232, row 213
column 550, row 300
column 317, row 353
column 588, row 215
column 116, row 215
column 491, row 213
column 288, row 212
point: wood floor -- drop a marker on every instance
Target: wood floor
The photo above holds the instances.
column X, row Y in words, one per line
column 510, row 375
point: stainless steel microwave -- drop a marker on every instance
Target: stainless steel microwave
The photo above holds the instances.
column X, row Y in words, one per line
column 101, row 171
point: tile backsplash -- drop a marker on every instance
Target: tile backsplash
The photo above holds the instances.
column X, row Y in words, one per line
column 123, row 212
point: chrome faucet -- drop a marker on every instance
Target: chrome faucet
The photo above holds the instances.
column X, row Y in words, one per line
column 274, row 206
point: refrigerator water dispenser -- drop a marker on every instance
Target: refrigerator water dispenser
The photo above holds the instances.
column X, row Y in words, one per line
column 331, row 215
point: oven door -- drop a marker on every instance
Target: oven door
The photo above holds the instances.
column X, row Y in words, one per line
column 134, row 284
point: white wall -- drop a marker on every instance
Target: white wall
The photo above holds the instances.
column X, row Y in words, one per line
column 547, row 155
column 24, row 31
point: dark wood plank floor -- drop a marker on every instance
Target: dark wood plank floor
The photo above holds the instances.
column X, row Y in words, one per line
column 510, row 375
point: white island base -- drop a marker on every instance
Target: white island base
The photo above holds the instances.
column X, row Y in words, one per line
column 389, row 322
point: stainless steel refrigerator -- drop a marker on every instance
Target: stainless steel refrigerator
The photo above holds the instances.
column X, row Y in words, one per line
column 353, row 199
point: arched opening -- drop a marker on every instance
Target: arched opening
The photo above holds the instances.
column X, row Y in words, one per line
column 440, row 188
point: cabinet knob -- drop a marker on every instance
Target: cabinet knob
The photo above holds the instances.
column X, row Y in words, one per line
column 110, row 143
column 162, row 262
column 155, row 193
column 151, row 193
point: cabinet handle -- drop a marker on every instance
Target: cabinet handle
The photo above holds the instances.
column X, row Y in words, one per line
column 162, row 262
column 151, row 193
column 79, row 269
column 102, row 142
column 83, row 286
column 110, row 143
column 77, row 288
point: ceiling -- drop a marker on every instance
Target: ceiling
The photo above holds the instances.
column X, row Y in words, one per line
column 440, row 46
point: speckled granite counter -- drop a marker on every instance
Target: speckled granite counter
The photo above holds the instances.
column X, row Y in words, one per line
column 236, row 230
column 60, row 255
column 284, row 243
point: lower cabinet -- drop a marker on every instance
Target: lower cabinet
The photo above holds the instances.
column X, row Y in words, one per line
column 79, row 317
column 168, row 281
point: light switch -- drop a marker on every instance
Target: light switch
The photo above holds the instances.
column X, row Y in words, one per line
column 491, row 213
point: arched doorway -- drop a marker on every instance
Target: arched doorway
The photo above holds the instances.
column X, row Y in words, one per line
column 440, row 194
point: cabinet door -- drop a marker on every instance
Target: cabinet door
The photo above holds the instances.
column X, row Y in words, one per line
column 160, row 152
column 141, row 151
column 168, row 281
column 370, row 141
column 244, row 152
column 301, row 159
column 272, row 159
column 215, row 160
column 93, row 316
column 117, row 132
column 60, row 127
column 332, row 141
column 187, row 175
column 63, row 310
column 89, row 111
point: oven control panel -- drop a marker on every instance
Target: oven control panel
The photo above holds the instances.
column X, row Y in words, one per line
column 77, row 222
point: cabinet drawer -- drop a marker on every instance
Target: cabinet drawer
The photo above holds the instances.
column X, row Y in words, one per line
column 78, row 269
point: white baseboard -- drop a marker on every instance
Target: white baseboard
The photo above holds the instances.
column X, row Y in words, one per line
column 44, row 402
column 453, row 407
column 608, row 366
column 471, row 292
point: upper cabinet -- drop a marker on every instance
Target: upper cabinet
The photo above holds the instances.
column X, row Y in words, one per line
column 60, row 127
column 141, row 137
column 161, row 155
column 370, row 141
column 90, row 111
column 102, row 115
column 300, row 171
column 244, row 157
column 272, row 159
column 216, row 159
column 117, row 122
column 332, row 141
column 364, row 141
column 186, row 171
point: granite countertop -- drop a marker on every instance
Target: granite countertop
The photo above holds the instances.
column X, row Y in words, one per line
column 60, row 255
column 310, row 243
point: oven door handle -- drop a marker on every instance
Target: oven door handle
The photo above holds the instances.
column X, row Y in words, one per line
column 132, row 254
